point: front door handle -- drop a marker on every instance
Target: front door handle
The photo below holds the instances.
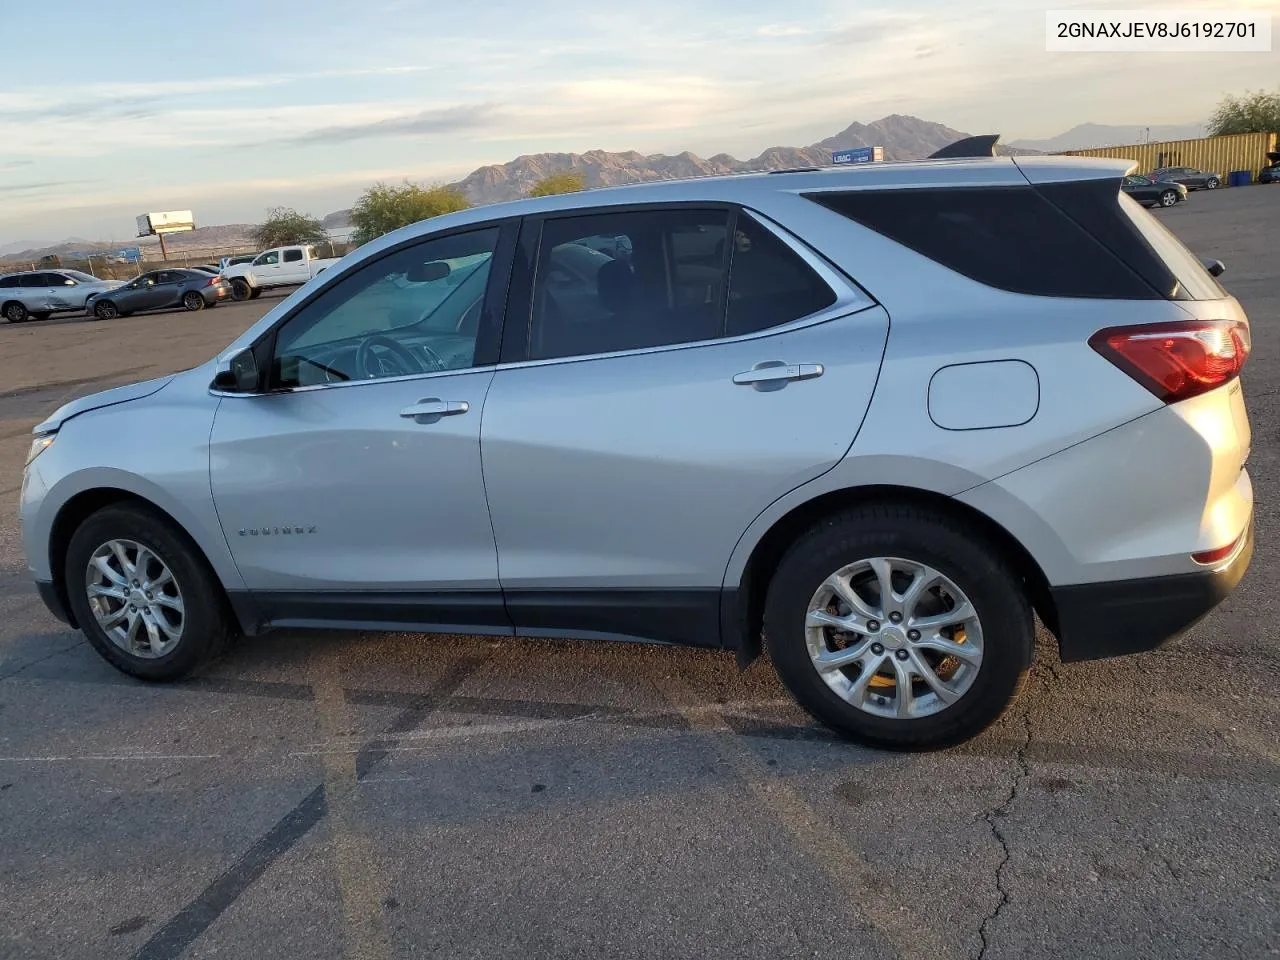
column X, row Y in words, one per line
column 774, row 374
column 434, row 408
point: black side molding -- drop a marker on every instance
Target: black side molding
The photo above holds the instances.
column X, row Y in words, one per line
column 981, row 145
column 54, row 602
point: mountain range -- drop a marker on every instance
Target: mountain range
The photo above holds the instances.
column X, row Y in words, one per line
column 902, row 137
column 1087, row 135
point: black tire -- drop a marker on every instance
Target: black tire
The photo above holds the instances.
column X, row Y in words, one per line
column 192, row 301
column 16, row 312
column 208, row 625
column 255, row 293
column 1212, row 183
column 951, row 546
column 105, row 310
column 240, row 290
column 1168, row 198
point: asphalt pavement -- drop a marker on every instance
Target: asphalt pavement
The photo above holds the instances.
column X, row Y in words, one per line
column 332, row 795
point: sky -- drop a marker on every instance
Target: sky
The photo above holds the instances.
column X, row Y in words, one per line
column 231, row 108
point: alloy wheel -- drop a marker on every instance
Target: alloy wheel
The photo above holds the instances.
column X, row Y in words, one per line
column 894, row 637
column 135, row 599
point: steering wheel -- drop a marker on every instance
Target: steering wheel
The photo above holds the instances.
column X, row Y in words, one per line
column 396, row 362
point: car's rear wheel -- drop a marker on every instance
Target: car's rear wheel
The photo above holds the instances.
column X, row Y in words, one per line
column 105, row 310
column 899, row 627
column 192, row 301
column 15, row 312
column 1212, row 183
column 240, row 290
column 143, row 595
column 1168, row 198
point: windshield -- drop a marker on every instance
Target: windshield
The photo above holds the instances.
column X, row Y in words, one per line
column 81, row 277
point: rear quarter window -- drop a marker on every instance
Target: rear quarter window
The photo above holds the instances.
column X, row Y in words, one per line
column 1011, row 238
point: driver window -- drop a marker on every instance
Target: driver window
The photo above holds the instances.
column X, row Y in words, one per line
column 416, row 310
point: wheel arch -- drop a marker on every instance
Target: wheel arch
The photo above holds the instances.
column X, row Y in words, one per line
column 742, row 610
column 82, row 505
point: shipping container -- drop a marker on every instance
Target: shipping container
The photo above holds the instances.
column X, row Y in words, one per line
column 1220, row 155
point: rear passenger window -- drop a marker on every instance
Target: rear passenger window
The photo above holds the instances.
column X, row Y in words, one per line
column 624, row 281
column 768, row 282
column 1006, row 237
column 292, row 256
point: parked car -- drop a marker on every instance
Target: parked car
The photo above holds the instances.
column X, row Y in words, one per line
column 208, row 268
column 160, row 289
column 719, row 439
column 36, row 294
column 1152, row 193
column 1189, row 177
column 1271, row 172
column 238, row 259
column 277, row 267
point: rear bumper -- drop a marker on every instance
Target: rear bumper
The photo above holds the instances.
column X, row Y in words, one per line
column 1099, row 620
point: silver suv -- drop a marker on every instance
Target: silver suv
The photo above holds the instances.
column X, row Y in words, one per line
column 35, row 294
column 876, row 416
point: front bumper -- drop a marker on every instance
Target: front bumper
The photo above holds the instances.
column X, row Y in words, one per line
column 1099, row 620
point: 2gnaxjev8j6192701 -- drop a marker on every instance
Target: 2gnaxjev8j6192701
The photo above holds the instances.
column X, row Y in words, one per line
column 872, row 417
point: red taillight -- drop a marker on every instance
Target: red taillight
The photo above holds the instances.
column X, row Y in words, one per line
column 1210, row 557
column 213, row 281
column 1177, row 360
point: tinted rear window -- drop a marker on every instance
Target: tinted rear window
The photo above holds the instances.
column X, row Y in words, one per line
column 1194, row 281
column 1006, row 237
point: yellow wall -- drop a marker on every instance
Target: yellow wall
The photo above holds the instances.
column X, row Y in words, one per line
column 1220, row 155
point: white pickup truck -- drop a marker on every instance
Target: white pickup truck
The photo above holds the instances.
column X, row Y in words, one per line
column 277, row 267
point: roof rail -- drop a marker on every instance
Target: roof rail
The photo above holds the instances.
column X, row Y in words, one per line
column 982, row 145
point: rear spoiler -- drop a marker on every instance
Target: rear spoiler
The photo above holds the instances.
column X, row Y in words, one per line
column 982, row 145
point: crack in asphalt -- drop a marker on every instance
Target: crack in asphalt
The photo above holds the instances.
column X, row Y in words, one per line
column 38, row 660
column 992, row 817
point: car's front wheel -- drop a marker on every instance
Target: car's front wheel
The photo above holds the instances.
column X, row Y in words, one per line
column 105, row 310
column 143, row 595
column 1212, row 183
column 899, row 626
column 1168, row 198
column 240, row 290
column 192, row 301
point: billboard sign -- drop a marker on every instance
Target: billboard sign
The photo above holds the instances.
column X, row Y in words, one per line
column 169, row 221
column 858, row 155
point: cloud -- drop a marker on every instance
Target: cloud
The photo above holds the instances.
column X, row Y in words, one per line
column 13, row 188
column 782, row 30
column 457, row 119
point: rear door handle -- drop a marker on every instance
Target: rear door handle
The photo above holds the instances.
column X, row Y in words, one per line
column 434, row 407
column 774, row 374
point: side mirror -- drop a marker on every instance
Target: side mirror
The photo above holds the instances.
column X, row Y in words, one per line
column 237, row 374
column 1215, row 267
column 427, row 272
